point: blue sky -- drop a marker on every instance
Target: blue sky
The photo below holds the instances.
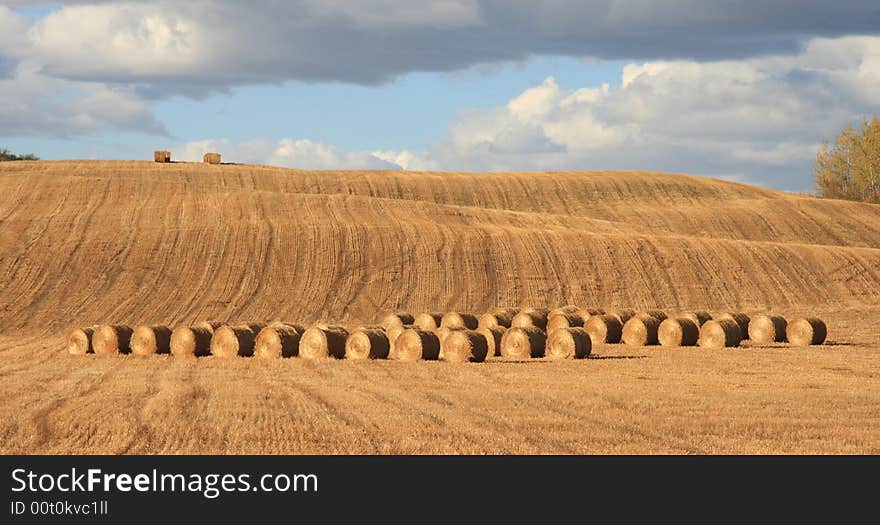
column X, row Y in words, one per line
column 407, row 113
column 442, row 84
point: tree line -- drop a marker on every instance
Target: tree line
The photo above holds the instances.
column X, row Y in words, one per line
column 6, row 155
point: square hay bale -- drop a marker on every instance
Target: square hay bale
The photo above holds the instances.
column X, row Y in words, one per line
column 212, row 158
column 162, row 156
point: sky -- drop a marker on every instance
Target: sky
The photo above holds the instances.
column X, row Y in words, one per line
column 735, row 89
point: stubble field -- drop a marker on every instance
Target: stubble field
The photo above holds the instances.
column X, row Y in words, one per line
column 130, row 242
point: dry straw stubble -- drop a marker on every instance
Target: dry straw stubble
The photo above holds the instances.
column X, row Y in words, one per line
column 523, row 342
column 112, row 339
column 151, row 340
column 569, row 343
column 764, row 329
column 416, row 344
column 323, row 341
column 720, row 333
column 278, row 340
column 678, row 331
column 367, row 343
column 462, row 346
column 807, row 331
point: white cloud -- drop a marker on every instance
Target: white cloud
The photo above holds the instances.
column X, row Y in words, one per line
column 13, row 31
column 302, row 153
column 307, row 154
column 136, row 40
column 763, row 117
column 757, row 120
column 32, row 104
column 175, row 47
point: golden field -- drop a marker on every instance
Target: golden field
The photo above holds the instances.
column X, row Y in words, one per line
column 136, row 242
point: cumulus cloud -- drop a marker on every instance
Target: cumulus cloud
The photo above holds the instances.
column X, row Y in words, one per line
column 34, row 105
column 192, row 47
column 759, row 119
column 13, row 39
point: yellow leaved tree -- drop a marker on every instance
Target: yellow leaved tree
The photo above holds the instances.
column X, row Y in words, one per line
column 850, row 167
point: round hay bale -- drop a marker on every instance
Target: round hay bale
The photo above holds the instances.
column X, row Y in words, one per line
column 523, row 342
column 392, row 334
column 764, row 329
column 604, row 329
column 530, row 318
column 624, row 314
column 192, row 341
column 720, row 333
column 509, row 311
column 698, row 317
column 367, row 343
column 678, row 331
column 209, row 325
column 416, row 344
column 496, row 319
column 443, row 332
column 493, row 339
column 112, row 339
column 641, row 330
column 151, row 340
column 660, row 315
column 807, row 331
column 740, row 318
column 276, row 341
column 79, row 341
column 567, row 309
column 463, row 346
column 459, row 320
column 323, row 341
column 233, row 341
column 396, row 319
column 569, row 343
column 561, row 320
column 296, row 326
column 428, row 321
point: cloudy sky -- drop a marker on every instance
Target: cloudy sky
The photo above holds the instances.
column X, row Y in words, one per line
column 743, row 90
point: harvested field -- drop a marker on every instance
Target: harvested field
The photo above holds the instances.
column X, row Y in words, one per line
column 173, row 244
